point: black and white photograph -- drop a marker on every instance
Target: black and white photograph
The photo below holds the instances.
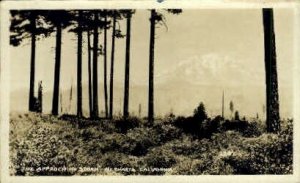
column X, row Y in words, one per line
column 150, row 91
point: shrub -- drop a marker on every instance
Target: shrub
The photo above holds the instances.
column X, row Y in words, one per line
column 199, row 129
column 266, row 154
column 236, row 115
column 165, row 132
column 211, row 126
column 237, row 125
column 113, row 160
column 236, row 159
column 188, row 125
column 138, row 141
column 214, row 147
column 253, row 129
column 123, row 125
column 159, row 158
column 199, row 125
column 87, row 134
column 189, row 147
column 41, row 148
column 247, row 129
column 109, row 143
column 219, row 167
column 183, row 167
column 200, row 112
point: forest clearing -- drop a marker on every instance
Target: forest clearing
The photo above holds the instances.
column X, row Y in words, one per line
column 132, row 147
column 151, row 105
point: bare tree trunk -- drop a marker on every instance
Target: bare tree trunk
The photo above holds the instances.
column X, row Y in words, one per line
column 32, row 62
column 40, row 98
column 127, row 66
column 151, row 68
column 111, row 90
column 105, row 70
column 57, row 71
column 223, row 105
column 272, row 99
column 90, row 74
column 79, row 67
column 140, row 110
column 95, row 69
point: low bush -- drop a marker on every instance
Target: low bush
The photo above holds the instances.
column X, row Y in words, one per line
column 266, row 154
column 216, row 147
column 189, row 147
column 198, row 128
column 123, row 125
column 165, row 132
column 41, row 148
column 237, row 125
column 138, row 141
column 159, row 158
column 247, row 129
column 253, row 129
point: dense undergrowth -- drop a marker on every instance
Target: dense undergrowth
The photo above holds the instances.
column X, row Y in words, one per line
column 46, row 145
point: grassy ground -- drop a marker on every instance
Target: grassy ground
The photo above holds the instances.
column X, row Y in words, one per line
column 46, row 145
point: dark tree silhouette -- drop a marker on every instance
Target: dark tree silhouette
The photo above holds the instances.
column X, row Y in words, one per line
column 200, row 112
column 32, row 62
column 151, row 67
column 59, row 19
column 105, row 65
column 79, row 65
column 223, row 105
column 155, row 18
column 40, row 97
column 272, row 99
column 87, row 24
column 95, row 67
column 116, row 33
column 90, row 73
column 128, row 15
column 236, row 115
column 231, row 107
column 96, row 24
column 57, row 70
column 111, row 92
column 21, row 29
column 82, row 22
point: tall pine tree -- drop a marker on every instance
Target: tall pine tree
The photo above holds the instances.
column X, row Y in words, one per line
column 272, row 99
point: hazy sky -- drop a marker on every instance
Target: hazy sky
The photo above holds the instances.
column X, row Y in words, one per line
column 198, row 55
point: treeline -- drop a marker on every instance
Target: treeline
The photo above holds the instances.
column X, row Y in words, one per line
column 35, row 24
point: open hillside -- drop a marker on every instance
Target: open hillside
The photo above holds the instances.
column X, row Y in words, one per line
column 46, row 145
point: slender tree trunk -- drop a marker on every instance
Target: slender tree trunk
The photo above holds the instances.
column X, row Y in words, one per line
column 61, row 103
column 79, row 67
column 127, row 66
column 90, row 74
column 57, row 71
column 111, row 90
column 272, row 99
column 140, row 110
column 40, row 98
column 105, row 70
column 151, row 68
column 223, row 105
column 95, row 69
column 32, row 63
